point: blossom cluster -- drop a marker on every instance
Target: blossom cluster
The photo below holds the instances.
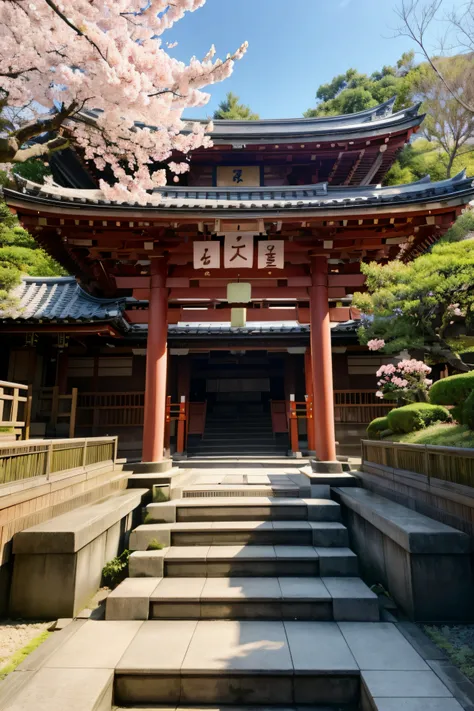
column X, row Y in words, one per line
column 109, row 55
column 403, row 379
column 376, row 344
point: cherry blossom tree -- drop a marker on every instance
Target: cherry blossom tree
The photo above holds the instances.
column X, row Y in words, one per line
column 61, row 59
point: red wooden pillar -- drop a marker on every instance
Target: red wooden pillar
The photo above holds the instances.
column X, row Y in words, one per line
column 308, row 375
column 156, row 365
column 321, row 359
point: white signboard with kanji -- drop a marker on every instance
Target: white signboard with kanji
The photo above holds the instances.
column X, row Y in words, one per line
column 238, row 251
column 206, row 255
column 271, row 254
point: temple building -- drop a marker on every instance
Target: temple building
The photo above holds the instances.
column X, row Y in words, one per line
column 216, row 320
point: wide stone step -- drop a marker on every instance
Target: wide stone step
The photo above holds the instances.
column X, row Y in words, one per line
column 199, row 461
column 243, row 561
column 285, row 598
column 316, row 533
column 237, row 662
column 223, row 490
column 244, row 509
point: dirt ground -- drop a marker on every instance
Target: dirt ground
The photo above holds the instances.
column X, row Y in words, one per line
column 15, row 634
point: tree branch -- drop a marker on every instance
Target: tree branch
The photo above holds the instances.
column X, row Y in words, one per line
column 40, row 149
column 68, row 22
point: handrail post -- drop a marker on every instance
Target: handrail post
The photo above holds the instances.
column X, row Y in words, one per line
column 293, row 426
column 49, row 455
column 181, row 426
column 167, row 426
column 28, row 408
column 115, row 450
column 72, row 414
column 84, row 454
column 309, row 422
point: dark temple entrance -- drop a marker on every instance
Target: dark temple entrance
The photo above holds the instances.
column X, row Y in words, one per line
column 238, row 388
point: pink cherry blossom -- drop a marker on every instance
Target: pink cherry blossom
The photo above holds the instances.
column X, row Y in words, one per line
column 59, row 60
column 375, row 344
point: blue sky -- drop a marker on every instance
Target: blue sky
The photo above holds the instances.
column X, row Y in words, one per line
column 294, row 46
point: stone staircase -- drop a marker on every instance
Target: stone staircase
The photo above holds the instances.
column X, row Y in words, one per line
column 239, row 432
column 242, row 605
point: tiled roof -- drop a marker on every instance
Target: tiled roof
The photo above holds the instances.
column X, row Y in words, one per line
column 318, row 197
column 377, row 120
column 61, row 299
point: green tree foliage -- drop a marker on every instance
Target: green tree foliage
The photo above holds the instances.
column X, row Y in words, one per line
column 448, row 128
column 232, row 110
column 425, row 305
column 352, row 92
column 20, row 255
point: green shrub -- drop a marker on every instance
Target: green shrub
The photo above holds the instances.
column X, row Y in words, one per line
column 376, row 427
column 116, row 570
column 416, row 416
column 468, row 412
column 456, row 413
column 453, row 390
column 155, row 545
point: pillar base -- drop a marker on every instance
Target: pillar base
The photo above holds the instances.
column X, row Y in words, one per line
column 153, row 467
column 318, row 467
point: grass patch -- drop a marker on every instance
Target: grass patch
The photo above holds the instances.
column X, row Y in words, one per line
column 22, row 653
column 441, row 434
column 452, row 641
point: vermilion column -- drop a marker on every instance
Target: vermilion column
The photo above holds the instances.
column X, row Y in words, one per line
column 156, row 365
column 321, row 360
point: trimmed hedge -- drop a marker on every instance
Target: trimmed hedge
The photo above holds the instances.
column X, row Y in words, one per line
column 416, row 416
column 453, row 390
column 468, row 412
column 380, row 424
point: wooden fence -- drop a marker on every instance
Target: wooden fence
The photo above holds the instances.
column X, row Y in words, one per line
column 15, row 406
column 36, row 457
column 451, row 464
column 359, row 406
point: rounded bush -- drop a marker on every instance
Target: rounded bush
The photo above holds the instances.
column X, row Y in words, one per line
column 468, row 412
column 416, row 416
column 376, row 427
column 453, row 390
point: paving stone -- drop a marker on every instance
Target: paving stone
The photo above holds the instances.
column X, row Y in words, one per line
column 96, row 645
column 352, row 599
column 304, row 588
column 142, row 535
column 319, row 646
column 131, row 599
column 329, row 533
column 71, row 689
column 171, row 589
column 380, row 646
column 337, row 561
column 192, row 553
column 159, row 646
column 411, row 704
column 231, row 646
column 296, row 552
column 241, row 552
column 147, row 564
column 241, row 589
column 404, row 684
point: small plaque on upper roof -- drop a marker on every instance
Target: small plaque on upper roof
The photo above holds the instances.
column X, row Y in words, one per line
column 238, row 176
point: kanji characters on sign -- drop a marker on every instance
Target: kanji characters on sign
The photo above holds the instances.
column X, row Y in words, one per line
column 238, row 251
column 271, row 254
column 206, row 255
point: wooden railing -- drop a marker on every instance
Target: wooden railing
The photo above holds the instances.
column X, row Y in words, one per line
column 15, row 406
column 285, row 415
column 54, row 406
column 111, row 409
column 35, row 457
column 359, row 406
column 451, row 464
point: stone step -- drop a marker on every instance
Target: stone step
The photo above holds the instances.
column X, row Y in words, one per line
column 173, row 707
column 223, row 490
column 316, row 533
column 198, row 461
column 244, row 509
column 243, row 561
column 340, row 599
column 234, row 662
column 287, row 598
